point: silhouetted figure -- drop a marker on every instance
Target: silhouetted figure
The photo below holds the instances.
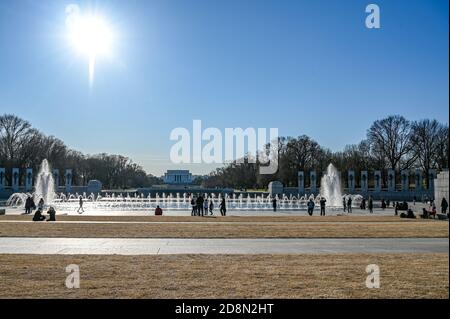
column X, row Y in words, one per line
column 414, row 200
column 425, row 213
column 194, row 207
column 223, row 207
column 310, row 207
column 349, row 204
column 80, row 206
column 370, row 205
column 405, row 205
column 211, row 207
column 38, row 217
column 51, row 214
column 322, row 206
column 200, row 201
column 344, row 204
column 158, row 211
column 274, row 204
column 410, row 214
column 383, row 204
column 29, row 205
column 205, row 206
column 444, row 206
column 396, row 206
column 41, row 204
column 363, row 204
column 433, row 211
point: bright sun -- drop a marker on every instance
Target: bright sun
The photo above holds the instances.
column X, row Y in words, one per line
column 91, row 36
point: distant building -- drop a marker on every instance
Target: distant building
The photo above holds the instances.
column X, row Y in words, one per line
column 180, row 176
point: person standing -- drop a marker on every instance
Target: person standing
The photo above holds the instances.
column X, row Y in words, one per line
column 194, row 210
column 383, row 204
column 364, row 203
column 80, row 206
column 349, row 204
column 223, row 208
column 211, row 207
column 200, row 205
column 310, row 207
column 322, row 206
column 274, row 204
column 370, row 204
column 444, row 206
column 344, row 203
column 205, row 206
column 28, row 205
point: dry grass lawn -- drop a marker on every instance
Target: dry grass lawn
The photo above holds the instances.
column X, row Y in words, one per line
column 226, row 276
column 246, row 229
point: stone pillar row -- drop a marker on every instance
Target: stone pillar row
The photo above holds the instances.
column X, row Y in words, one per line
column 377, row 178
column 29, row 179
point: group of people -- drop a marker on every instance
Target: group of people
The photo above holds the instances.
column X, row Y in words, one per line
column 432, row 212
column 201, row 206
column 39, row 214
column 310, row 206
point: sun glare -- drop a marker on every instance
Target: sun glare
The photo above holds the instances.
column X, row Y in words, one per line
column 91, row 36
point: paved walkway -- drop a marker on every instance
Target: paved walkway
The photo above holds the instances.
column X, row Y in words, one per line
column 152, row 246
column 230, row 212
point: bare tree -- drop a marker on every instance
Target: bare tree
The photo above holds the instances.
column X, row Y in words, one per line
column 390, row 140
column 14, row 134
column 442, row 148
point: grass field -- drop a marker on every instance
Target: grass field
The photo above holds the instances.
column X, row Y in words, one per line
column 247, row 227
column 225, row 276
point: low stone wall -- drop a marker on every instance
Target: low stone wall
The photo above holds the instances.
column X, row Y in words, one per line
column 408, row 196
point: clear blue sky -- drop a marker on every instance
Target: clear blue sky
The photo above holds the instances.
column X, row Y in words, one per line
column 306, row 67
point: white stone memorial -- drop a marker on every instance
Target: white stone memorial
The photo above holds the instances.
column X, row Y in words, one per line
column 441, row 189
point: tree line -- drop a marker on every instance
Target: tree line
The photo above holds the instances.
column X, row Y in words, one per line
column 23, row 146
column 391, row 143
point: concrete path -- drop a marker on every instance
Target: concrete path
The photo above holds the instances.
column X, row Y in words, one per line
column 230, row 212
column 152, row 246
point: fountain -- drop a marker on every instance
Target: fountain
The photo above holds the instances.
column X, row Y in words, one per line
column 126, row 201
column 331, row 187
column 45, row 185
